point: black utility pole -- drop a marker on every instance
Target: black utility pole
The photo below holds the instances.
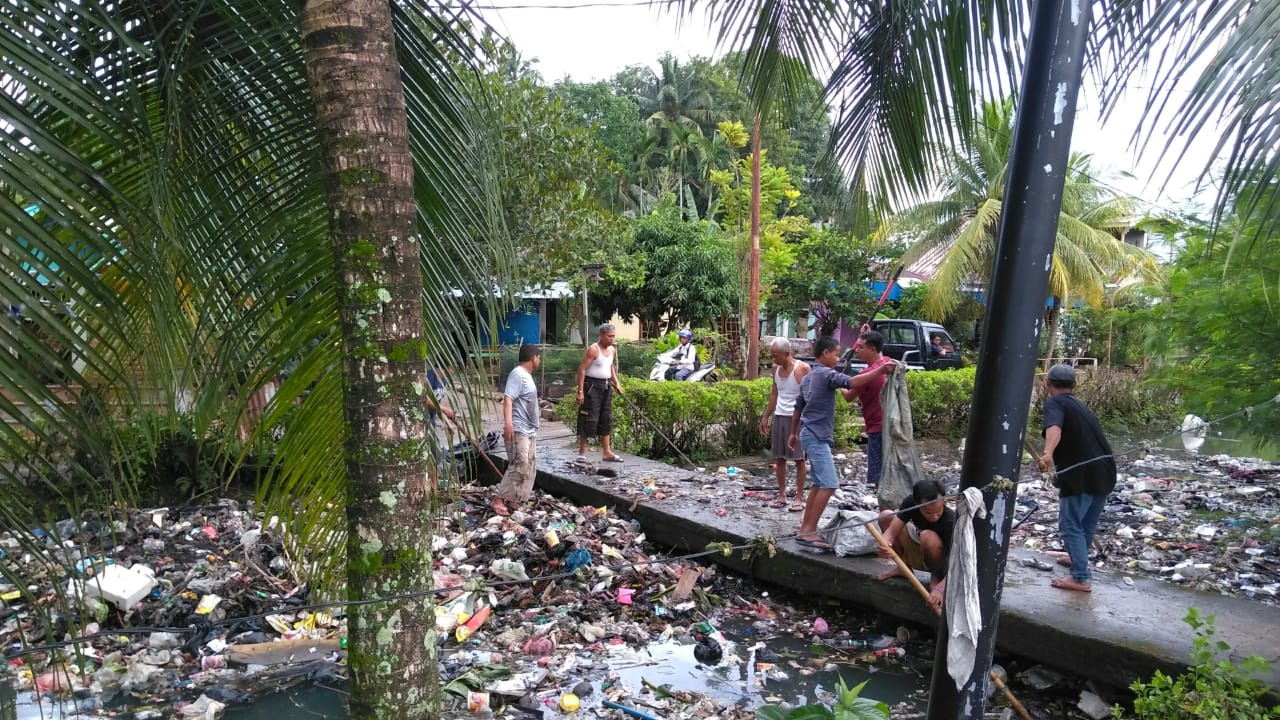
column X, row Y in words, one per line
column 1015, row 312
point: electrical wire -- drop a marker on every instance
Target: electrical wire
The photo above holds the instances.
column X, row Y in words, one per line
column 1141, row 447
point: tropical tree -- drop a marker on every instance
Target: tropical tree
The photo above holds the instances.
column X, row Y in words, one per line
column 173, row 230
column 688, row 86
column 963, row 221
column 548, row 167
column 829, row 279
column 1218, row 342
column 779, row 224
column 690, row 273
column 614, row 120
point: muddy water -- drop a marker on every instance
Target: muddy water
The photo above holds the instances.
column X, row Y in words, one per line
column 738, row 679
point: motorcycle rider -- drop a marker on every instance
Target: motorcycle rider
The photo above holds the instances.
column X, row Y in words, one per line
column 683, row 358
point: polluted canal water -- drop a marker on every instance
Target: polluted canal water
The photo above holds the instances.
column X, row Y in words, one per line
column 551, row 612
column 592, row 614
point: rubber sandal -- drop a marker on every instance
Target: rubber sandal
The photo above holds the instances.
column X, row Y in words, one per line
column 819, row 545
column 796, row 507
column 613, row 458
column 582, row 459
column 778, row 504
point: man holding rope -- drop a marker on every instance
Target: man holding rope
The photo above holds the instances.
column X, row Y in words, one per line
column 1073, row 442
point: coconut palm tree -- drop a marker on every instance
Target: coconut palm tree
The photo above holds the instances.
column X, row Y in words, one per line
column 176, row 206
column 966, row 214
column 900, row 76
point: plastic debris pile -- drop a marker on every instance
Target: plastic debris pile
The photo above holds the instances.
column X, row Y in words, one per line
column 1210, row 522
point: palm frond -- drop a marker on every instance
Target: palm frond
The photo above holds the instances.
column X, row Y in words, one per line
column 168, row 240
column 1227, row 53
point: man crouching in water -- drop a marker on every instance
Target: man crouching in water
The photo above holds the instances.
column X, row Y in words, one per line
column 920, row 533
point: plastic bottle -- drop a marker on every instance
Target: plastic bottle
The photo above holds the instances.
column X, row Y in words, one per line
column 465, row 630
column 863, row 643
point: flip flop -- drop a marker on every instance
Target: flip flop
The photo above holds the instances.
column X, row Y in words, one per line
column 778, row 504
column 613, row 458
column 818, row 545
column 796, row 507
column 582, row 459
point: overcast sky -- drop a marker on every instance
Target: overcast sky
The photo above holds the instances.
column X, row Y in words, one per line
column 593, row 43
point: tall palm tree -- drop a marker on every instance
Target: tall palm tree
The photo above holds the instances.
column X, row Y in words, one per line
column 168, row 249
column 900, row 76
column 692, row 92
column 964, row 219
column 687, row 153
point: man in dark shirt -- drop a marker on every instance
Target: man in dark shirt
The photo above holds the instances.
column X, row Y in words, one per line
column 1075, row 446
column 920, row 533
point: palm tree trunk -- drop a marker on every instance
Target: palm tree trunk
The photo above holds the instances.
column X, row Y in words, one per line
column 1054, row 325
column 753, row 286
column 354, row 75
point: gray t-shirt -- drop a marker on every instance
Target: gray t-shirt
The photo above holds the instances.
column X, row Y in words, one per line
column 817, row 401
column 524, row 401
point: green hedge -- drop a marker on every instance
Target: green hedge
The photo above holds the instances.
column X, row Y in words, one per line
column 635, row 359
column 720, row 419
column 940, row 401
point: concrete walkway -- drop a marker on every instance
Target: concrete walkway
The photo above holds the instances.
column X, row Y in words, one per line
column 1120, row 632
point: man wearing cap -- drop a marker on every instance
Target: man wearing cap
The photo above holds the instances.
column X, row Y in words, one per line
column 682, row 358
column 1086, row 472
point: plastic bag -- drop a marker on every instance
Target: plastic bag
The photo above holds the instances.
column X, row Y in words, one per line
column 848, row 535
column 901, row 465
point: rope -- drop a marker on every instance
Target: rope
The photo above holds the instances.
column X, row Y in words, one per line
column 1142, row 447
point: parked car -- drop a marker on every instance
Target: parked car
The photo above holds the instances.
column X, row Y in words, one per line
column 911, row 342
column 921, row 345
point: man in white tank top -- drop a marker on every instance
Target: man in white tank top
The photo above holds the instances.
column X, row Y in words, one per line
column 597, row 379
column 787, row 374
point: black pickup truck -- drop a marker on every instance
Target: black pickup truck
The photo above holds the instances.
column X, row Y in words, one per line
column 911, row 342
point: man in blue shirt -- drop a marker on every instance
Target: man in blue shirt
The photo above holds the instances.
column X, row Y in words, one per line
column 813, row 428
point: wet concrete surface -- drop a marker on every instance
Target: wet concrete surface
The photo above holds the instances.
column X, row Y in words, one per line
column 1127, row 628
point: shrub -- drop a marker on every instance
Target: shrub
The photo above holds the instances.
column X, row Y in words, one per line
column 701, row 419
column 560, row 362
column 1123, row 401
column 940, row 401
column 635, row 359
column 1213, row 688
column 718, row 419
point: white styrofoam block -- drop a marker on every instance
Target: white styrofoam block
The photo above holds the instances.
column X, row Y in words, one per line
column 122, row 587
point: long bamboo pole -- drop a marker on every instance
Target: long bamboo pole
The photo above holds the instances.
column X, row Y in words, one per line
column 924, row 593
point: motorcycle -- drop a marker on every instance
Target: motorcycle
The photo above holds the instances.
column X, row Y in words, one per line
column 666, row 371
column 667, row 365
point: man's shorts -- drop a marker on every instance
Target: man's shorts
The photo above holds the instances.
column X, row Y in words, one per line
column 911, row 552
column 778, row 440
column 595, row 416
column 822, row 466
